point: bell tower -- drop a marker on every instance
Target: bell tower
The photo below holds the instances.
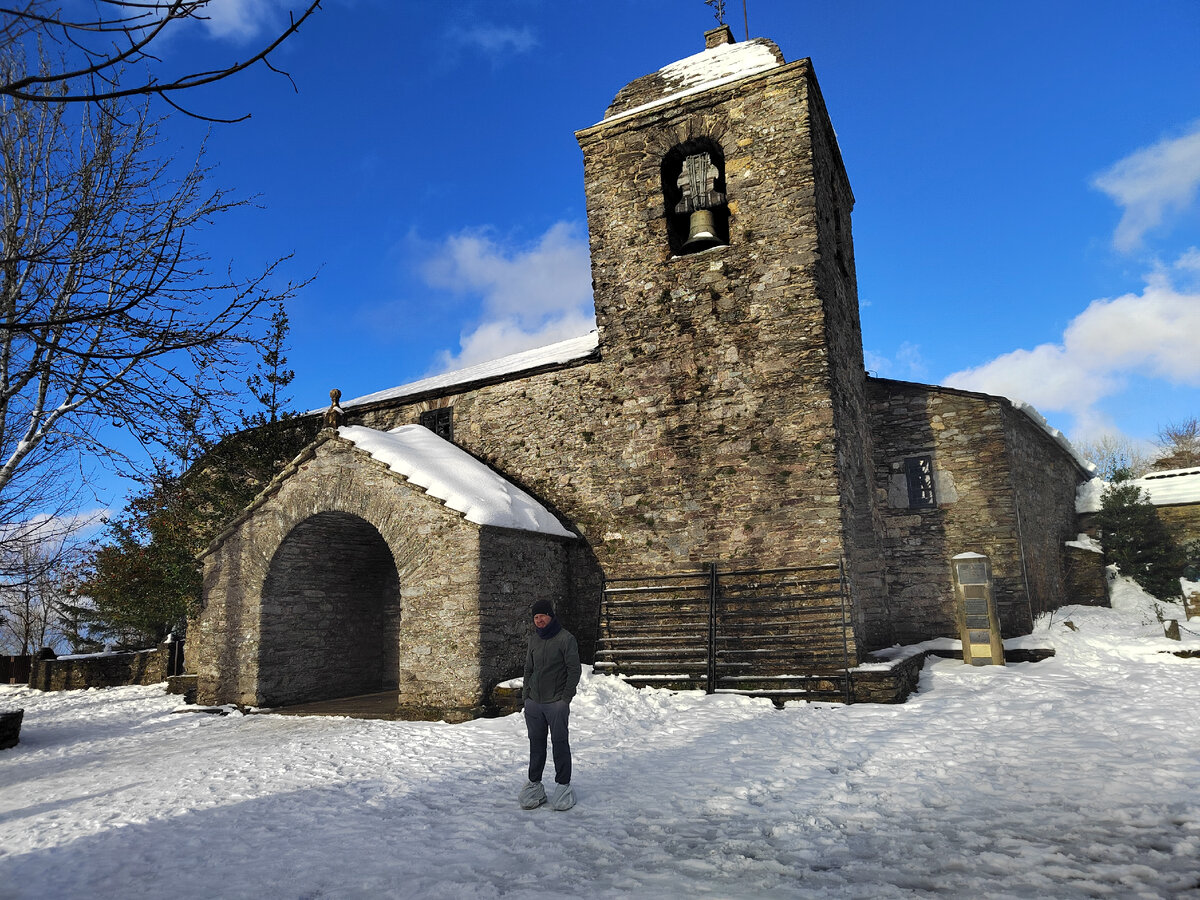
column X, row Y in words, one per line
column 725, row 293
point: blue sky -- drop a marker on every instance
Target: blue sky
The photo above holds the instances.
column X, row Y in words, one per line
column 1026, row 174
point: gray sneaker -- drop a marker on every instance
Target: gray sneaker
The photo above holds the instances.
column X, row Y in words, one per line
column 563, row 797
column 532, row 795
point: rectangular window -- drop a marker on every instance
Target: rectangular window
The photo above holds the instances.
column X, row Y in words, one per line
column 919, row 470
column 440, row 422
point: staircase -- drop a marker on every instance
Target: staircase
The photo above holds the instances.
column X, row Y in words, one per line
column 776, row 633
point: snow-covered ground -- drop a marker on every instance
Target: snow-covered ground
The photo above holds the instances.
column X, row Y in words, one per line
column 1074, row 777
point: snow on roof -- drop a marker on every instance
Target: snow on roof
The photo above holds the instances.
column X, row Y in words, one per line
column 1085, row 542
column 707, row 69
column 455, row 477
column 1058, row 436
column 563, row 352
column 1170, row 487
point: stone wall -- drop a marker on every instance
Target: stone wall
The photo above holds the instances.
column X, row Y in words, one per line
column 1084, row 579
column 1003, row 488
column 1182, row 521
column 965, row 435
column 344, row 578
column 718, row 361
column 725, row 417
column 862, row 520
column 99, row 670
column 516, row 572
column 1044, row 482
column 330, row 611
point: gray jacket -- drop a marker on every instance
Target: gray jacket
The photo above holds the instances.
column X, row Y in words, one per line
column 551, row 668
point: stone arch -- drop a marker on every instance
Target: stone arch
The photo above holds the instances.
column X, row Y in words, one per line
column 330, row 612
column 344, row 578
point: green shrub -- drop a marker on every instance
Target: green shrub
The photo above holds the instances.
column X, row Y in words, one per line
column 1135, row 538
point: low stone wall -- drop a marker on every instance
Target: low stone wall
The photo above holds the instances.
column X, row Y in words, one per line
column 183, row 684
column 1191, row 605
column 890, row 685
column 99, row 670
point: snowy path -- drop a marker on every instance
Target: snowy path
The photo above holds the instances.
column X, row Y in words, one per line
column 1074, row 777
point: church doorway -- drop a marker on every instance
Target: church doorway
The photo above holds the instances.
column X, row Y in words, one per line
column 330, row 613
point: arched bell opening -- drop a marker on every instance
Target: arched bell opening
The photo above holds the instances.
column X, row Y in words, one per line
column 330, row 613
column 694, row 196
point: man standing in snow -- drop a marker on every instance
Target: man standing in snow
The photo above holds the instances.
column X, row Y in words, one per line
column 551, row 677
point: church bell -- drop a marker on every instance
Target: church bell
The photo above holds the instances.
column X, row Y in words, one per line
column 702, row 231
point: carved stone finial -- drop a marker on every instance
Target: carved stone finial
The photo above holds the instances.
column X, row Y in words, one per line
column 334, row 416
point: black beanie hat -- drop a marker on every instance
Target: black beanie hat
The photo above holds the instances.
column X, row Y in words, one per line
column 542, row 608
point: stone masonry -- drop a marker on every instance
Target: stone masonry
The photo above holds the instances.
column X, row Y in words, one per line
column 725, row 417
column 1003, row 489
column 1182, row 521
column 344, row 579
column 48, row 673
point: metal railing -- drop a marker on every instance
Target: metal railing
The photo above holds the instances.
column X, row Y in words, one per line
column 781, row 632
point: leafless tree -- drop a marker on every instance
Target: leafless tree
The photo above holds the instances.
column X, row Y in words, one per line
column 1180, row 443
column 107, row 308
column 105, row 40
column 1113, row 453
column 34, row 606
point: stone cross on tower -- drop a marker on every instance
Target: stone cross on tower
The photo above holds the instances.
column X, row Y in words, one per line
column 698, row 182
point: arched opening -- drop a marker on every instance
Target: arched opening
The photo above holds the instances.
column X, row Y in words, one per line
column 330, row 613
column 693, row 182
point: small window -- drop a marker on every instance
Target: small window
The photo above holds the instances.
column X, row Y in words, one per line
column 440, row 422
column 919, row 470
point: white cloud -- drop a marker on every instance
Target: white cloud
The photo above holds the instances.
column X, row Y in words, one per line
column 239, row 20
column 1155, row 334
column 907, row 365
column 55, row 528
column 1152, row 182
column 496, row 39
column 1187, row 267
column 531, row 296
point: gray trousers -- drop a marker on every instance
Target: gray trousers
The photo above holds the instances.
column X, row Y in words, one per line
column 548, row 718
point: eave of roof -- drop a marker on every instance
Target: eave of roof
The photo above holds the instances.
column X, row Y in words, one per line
column 1085, row 466
column 551, row 358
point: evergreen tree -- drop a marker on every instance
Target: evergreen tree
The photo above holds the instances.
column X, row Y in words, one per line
column 1135, row 538
column 143, row 581
column 271, row 376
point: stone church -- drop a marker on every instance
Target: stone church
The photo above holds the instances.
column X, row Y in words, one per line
column 718, row 419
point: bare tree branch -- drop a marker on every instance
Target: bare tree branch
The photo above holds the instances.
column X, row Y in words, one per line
column 34, row 595
column 1180, row 443
column 100, row 50
column 108, row 311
